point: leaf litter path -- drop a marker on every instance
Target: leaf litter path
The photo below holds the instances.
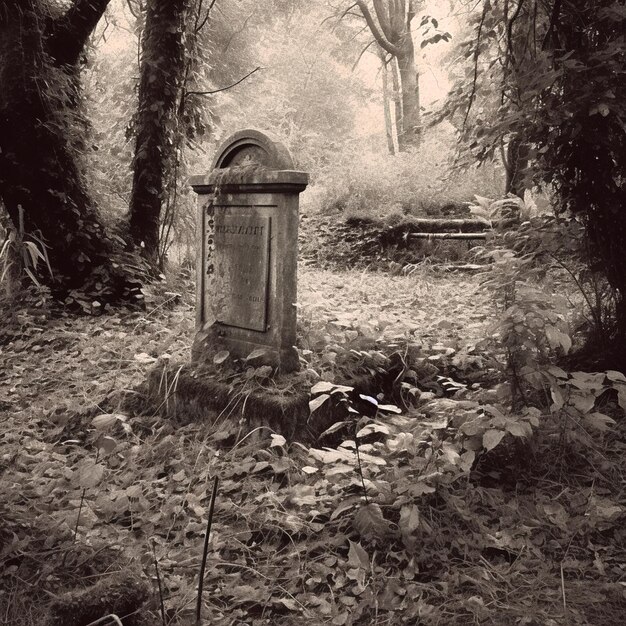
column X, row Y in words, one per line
column 430, row 306
column 73, row 362
column 270, row 554
column 284, row 548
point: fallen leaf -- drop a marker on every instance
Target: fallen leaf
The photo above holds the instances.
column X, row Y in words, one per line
column 90, row 476
column 370, row 523
column 357, row 556
column 220, row 357
column 278, row 441
column 107, row 420
column 492, row 438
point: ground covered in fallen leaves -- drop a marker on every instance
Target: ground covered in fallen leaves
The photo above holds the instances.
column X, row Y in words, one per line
column 453, row 511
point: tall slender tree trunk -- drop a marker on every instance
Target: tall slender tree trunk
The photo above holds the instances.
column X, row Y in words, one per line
column 397, row 95
column 41, row 183
column 162, row 72
column 389, row 131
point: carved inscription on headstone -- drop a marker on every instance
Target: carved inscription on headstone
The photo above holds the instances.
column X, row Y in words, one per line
column 242, row 249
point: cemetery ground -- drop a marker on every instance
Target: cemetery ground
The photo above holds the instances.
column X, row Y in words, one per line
column 455, row 511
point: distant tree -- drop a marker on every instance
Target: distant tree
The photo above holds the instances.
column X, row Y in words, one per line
column 42, row 135
column 390, row 23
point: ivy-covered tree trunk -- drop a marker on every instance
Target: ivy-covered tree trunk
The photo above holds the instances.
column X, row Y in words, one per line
column 516, row 166
column 41, row 184
column 595, row 189
column 162, row 72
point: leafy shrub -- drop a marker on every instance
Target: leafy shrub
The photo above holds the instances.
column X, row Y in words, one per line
column 424, row 182
column 531, row 266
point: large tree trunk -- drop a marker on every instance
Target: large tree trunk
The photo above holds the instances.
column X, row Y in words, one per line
column 599, row 196
column 411, row 132
column 162, row 71
column 41, row 185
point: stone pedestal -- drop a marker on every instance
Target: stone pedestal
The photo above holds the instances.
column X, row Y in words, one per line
column 247, row 252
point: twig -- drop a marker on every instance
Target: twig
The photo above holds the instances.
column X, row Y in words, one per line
column 80, row 508
column 358, row 462
column 592, row 309
column 563, row 589
column 371, row 43
column 158, row 577
column 105, row 619
column 199, row 27
column 208, row 93
column 205, row 554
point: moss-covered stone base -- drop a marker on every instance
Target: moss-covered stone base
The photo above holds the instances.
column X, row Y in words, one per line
column 203, row 393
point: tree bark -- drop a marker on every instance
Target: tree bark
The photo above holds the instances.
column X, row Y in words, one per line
column 162, row 71
column 397, row 95
column 68, row 35
column 410, row 134
column 41, row 183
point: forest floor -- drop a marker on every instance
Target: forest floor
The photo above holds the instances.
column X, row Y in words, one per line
column 412, row 526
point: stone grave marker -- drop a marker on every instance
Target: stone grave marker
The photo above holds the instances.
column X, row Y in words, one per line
column 248, row 251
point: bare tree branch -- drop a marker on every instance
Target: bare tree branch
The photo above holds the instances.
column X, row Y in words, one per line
column 348, row 11
column 237, row 32
column 397, row 13
column 384, row 19
column 371, row 43
column 476, row 55
column 200, row 26
column 208, row 93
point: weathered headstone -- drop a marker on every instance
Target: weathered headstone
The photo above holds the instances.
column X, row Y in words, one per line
column 248, row 250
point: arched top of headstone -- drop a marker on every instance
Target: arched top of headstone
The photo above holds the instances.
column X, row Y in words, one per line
column 253, row 147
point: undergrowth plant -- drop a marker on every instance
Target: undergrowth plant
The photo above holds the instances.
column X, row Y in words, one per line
column 533, row 330
column 21, row 254
column 362, row 183
column 413, row 516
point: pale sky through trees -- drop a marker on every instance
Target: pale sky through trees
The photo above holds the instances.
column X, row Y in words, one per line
column 434, row 82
